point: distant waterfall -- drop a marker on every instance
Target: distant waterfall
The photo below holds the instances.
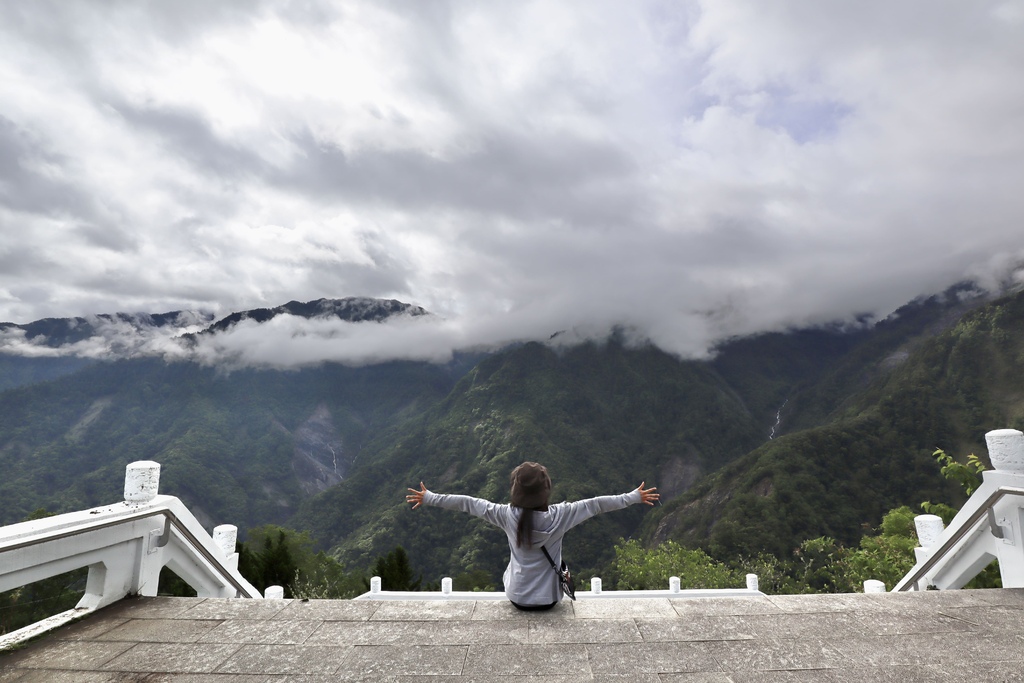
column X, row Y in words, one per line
column 778, row 420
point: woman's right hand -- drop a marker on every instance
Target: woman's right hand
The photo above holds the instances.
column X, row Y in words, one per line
column 416, row 497
column 648, row 496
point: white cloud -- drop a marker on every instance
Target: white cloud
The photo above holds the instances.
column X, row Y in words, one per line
column 691, row 170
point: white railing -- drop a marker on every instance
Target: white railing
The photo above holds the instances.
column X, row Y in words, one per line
column 124, row 546
column 990, row 526
column 595, row 592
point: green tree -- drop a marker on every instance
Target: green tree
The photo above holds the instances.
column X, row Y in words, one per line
column 636, row 568
column 395, row 572
column 275, row 556
column 966, row 474
column 326, row 578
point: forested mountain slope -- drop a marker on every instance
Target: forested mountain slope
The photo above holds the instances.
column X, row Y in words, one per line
column 242, row 448
column 839, row 478
column 332, row 448
column 600, row 417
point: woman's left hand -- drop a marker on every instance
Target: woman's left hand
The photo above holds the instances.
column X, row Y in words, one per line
column 648, row 496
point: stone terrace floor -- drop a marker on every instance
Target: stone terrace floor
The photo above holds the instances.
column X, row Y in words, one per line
column 932, row 636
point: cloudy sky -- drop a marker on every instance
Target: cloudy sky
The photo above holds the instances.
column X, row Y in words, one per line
column 689, row 169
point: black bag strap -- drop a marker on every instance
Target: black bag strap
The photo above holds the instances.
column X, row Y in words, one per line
column 547, row 555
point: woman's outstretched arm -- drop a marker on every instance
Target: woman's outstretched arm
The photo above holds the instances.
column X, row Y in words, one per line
column 491, row 512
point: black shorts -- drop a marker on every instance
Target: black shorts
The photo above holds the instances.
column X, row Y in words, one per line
column 532, row 608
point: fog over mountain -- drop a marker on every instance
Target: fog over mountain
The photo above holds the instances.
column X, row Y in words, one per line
column 686, row 170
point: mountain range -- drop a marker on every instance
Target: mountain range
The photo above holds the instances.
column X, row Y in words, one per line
column 778, row 438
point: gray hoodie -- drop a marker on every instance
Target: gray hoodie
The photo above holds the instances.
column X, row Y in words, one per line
column 529, row 579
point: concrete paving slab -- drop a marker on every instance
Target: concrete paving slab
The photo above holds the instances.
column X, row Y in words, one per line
column 887, row 674
column 882, row 623
column 696, row 628
column 729, row 606
column 213, row 678
column 973, row 672
column 937, row 600
column 994, row 618
column 805, row 625
column 527, row 660
column 503, row 610
column 171, row 657
column 152, row 608
column 553, row 678
column 1004, row 596
column 55, row 676
column 700, row 677
column 651, row 658
column 455, row 632
column 422, row 660
column 584, row 631
column 777, row 654
column 328, row 610
column 160, row 630
column 422, row 610
column 269, row 632
column 824, row 602
column 228, row 608
column 64, row 654
column 87, row 629
column 624, row 608
column 284, row 659
column 936, row 648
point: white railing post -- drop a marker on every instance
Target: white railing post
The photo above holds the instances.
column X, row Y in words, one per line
column 874, row 586
column 375, row 584
column 141, row 481
column 673, row 584
column 226, row 538
column 752, row 582
column 595, row 585
column 929, row 528
column 1006, row 452
column 446, row 586
column 274, row 593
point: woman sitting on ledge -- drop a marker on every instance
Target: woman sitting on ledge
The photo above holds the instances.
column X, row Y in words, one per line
column 532, row 525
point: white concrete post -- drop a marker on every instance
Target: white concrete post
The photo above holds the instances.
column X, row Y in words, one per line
column 874, row 586
column 274, row 593
column 141, row 481
column 1006, row 450
column 446, row 586
column 375, row 584
column 673, row 584
column 226, row 536
column 929, row 528
column 752, row 583
column 595, row 585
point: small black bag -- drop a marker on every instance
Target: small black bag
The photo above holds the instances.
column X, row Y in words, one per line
column 564, row 576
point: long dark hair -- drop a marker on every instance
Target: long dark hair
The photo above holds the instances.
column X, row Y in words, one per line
column 524, row 529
